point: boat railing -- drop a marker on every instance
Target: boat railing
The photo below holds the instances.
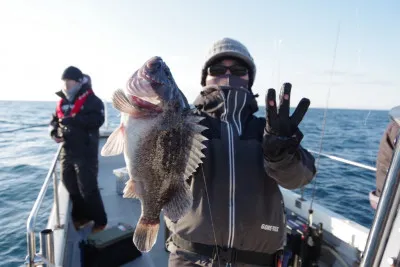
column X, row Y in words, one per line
column 338, row 159
column 33, row 258
column 43, row 257
column 349, row 162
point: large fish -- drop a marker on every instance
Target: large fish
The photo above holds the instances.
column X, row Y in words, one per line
column 162, row 145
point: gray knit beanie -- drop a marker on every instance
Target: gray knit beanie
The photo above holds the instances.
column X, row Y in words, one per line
column 225, row 48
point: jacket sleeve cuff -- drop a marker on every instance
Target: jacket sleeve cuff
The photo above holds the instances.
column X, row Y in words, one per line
column 373, row 199
column 294, row 170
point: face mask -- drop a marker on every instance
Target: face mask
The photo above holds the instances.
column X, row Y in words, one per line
column 228, row 80
column 70, row 94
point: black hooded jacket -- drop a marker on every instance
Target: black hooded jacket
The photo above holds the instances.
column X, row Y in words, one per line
column 81, row 134
column 235, row 182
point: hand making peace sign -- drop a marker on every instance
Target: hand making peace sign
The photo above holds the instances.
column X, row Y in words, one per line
column 282, row 134
column 281, row 124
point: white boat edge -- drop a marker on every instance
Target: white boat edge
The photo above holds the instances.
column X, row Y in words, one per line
column 60, row 235
column 339, row 226
column 344, row 229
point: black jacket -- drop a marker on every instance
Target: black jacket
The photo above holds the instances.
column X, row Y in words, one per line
column 385, row 154
column 81, row 134
column 384, row 158
column 235, row 182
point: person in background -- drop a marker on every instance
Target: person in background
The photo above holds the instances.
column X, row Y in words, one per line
column 238, row 214
column 384, row 158
column 76, row 122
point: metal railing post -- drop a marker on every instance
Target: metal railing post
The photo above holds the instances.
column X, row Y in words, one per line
column 32, row 259
column 30, row 239
column 387, row 208
column 56, row 200
column 105, row 114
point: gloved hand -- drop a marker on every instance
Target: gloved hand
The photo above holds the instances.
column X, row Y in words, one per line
column 282, row 134
column 210, row 100
column 54, row 129
column 54, row 133
column 57, row 139
column 66, row 121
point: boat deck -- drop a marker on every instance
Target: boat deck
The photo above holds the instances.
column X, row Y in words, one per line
column 119, row 210
column 343, row 240
column 340, row 235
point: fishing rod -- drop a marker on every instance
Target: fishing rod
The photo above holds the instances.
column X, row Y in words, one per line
column 307, row 242
column 24, row 128
column 325, row 113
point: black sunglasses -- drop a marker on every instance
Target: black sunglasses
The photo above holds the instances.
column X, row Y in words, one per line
column 237, row 70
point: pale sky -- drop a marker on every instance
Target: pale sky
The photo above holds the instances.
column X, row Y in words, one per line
column 109, row 40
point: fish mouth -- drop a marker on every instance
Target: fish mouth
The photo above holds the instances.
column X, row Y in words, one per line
column 151, row 71
column 151, row 86
column 142, row 96
column 148, row 104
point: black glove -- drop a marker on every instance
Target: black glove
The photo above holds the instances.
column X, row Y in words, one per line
column 66, row 121
column 210, row 101
column 281, row 132
column 54, row 126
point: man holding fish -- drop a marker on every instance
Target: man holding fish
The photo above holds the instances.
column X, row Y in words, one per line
column 214, row 171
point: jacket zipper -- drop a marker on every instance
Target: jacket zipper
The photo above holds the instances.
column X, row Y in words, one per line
column 231, row 175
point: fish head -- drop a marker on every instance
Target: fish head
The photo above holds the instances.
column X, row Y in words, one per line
column 153, row 87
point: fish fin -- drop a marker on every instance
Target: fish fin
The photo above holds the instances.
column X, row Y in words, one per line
column 145, row 235
column 130, row 190
column 115, row 143
column 199, row 128
column 121, row 102
column 194, row 119
column 195, row 153
column 179, row 204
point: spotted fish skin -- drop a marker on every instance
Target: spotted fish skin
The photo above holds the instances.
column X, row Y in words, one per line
column 162, row 143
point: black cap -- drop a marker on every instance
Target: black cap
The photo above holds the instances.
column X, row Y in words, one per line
column 72, row 73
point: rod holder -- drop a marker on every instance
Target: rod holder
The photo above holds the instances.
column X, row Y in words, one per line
column 47, row 246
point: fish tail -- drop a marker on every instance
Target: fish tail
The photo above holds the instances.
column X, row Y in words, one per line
column 145, row 235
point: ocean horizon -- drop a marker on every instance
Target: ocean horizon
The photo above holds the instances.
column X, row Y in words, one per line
column 25, row 157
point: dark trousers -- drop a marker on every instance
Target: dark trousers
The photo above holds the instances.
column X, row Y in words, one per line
column 177, row 260
column 79, row 175
column 182, row 258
